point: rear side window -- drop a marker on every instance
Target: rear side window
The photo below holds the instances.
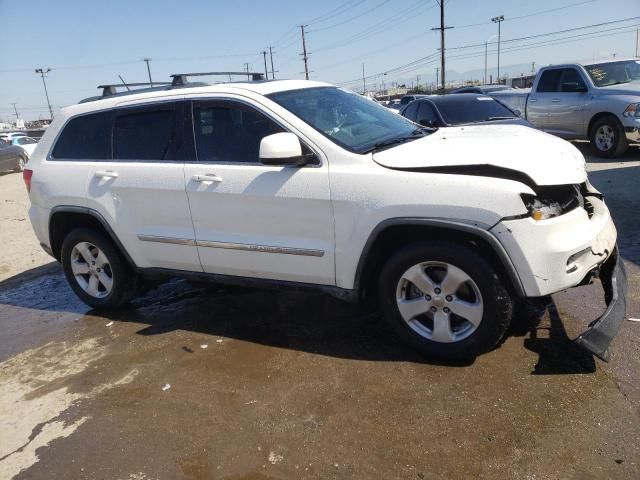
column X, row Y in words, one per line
column 411, row 111
column 85, row 138
column 549, row 81
column 147, row 135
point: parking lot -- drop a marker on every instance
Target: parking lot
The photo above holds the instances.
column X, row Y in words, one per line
column 201, row 381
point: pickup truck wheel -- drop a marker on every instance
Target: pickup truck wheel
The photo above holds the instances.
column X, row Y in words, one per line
column 607, row 137
column 96, row 271
column 444, row 300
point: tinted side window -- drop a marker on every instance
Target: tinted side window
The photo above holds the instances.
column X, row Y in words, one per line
column 228, row 132
column 147, row 135
column 427, row 112
column 411, row 111
column 85, row 138
column 549, row 81
column 571, row 75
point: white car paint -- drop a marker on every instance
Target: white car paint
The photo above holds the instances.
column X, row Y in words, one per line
column 546, row 159
column 328, row 211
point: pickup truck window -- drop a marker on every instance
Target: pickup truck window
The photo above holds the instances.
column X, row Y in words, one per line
column 614, row 73
column 571, row 75
column 549, row 81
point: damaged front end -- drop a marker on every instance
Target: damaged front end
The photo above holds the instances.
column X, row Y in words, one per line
column 597, row 338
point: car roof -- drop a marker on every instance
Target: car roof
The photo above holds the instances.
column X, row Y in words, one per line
column 264, row 87
column 450, row 99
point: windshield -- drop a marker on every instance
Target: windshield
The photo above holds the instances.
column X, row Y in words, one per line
column 614, row 73
column 458, row 110
column 351, row 121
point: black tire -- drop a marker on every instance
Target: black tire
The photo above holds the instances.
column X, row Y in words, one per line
column 125, row 281
column 497, row 302
column 619, row 144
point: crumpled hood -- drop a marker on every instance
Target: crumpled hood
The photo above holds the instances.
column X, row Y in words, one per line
column 545, row 159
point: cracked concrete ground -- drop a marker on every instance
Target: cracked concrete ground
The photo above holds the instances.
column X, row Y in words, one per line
column 206, row 382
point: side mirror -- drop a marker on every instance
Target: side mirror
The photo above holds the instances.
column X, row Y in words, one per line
column 517, row 112
column 281, row 149
column 428, row 123
column 573, row 87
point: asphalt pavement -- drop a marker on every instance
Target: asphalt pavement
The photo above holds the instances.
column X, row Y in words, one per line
column 202, row 382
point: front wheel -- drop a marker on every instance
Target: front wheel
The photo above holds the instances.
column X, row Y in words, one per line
column 608, row 138
column 96, row 271
column 444, row 300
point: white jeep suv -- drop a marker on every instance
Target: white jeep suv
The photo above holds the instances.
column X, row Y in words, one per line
column 301, row 184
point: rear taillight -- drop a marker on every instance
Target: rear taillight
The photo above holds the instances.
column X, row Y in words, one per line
column 26, row 176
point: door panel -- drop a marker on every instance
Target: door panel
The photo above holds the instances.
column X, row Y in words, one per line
column 250, row 219
column 567, row 115
column 141, row 190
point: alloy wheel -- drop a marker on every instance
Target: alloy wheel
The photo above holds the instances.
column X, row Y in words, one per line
column 439, row 302
column 91, row 269
column 605, row 137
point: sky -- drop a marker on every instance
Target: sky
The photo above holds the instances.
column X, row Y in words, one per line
column 87, row 43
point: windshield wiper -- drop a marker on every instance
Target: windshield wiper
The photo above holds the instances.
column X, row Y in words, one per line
column 417, row 133
column 500, row 118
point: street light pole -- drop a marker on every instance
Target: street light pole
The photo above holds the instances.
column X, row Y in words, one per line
column 485, row 58
column 42, row 72
column 499, row 19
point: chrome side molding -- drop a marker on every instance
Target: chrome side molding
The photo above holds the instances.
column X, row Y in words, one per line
column 233, row 246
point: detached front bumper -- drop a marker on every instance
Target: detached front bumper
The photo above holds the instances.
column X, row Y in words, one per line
column 602, row 331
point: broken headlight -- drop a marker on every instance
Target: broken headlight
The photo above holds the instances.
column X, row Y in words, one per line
column 553, row 201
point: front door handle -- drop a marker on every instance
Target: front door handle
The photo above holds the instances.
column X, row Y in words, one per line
column 105, row 174
column 207, row 178
column 555, row 100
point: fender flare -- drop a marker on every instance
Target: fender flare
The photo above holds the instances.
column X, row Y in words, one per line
column 96, row 215
column 473, row 230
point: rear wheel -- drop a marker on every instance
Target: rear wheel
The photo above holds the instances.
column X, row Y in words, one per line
column 96, row 271
column 444, row 300
column 607, row 137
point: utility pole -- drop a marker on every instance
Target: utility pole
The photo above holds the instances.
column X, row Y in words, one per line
column 364, row 85
column 147, row 60
column 42, row 73
column 246, row 69
column 533, row 67
column 15, row 109
column 273, row 72
column 305, row 56
column 437, row 73
column 637, row 33
column 442, row 28
column 499, row 19
column 266, row 72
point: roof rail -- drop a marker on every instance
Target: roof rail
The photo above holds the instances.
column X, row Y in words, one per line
column 108, row 90
column 180, row 79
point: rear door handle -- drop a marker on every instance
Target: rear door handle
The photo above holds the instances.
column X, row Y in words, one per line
column 555, row 100
column 106, row 174
column 207, row 178
column 533, row 100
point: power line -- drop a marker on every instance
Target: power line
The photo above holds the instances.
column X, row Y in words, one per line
column 339, row 10
column 351, row 19
column 529, row 37
column 530, row 14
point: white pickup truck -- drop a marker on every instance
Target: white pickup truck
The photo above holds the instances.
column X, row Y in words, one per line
column 595, row 101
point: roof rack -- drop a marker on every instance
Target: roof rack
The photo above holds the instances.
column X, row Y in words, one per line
column 108, row 90
column 180, row 79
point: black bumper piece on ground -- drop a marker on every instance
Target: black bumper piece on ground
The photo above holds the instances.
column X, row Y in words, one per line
column 601, row 331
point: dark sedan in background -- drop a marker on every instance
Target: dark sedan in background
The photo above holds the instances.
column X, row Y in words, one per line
column 12, row 157
column 456, row 110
